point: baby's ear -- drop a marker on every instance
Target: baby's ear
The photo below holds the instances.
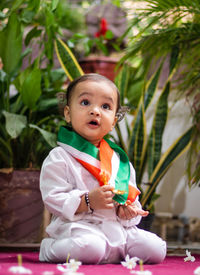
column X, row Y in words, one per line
column 114, row 122
column 67, row 114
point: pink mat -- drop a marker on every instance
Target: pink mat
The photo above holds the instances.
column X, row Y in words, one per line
column 172, row 265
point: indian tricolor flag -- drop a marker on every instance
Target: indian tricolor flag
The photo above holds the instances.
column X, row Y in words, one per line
column 109, row 164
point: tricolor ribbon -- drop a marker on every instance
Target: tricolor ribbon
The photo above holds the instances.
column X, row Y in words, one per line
column 109, row 164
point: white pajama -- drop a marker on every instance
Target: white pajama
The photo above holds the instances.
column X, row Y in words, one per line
column 100, row 237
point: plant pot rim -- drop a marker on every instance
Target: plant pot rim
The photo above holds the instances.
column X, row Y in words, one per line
column 11, row 170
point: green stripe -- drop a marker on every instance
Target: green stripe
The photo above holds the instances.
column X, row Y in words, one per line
column 68, row 136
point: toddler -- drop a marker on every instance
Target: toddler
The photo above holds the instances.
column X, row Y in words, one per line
column 88, row 185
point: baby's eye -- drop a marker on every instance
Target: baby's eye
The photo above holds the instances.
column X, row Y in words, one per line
column 106, row 106
column 85, row 102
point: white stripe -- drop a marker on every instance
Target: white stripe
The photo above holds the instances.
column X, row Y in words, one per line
column 80, row 155
column 115, row 166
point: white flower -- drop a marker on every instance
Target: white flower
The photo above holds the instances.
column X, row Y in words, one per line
column 62, row 267
column 69, row 268
column 141, row 272
column 130, row 263
column 189, row 257
column 19, row 270
column 67, row 271
column 73, row 265
column 197, row 271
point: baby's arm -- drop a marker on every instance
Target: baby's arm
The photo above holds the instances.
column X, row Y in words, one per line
column 99, row 198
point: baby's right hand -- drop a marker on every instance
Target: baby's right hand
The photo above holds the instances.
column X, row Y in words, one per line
column 101, row 197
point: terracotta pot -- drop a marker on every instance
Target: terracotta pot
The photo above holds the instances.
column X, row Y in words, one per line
column 103, row 65
column 21, row 207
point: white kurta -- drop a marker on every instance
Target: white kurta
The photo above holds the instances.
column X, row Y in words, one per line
column 63, row 181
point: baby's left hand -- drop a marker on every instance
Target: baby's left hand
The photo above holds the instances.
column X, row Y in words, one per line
column 129, row 211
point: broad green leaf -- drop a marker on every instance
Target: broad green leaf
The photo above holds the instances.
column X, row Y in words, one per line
column 48, row 136
column 31, row 88
column 67, row 60
column 46, row 104
column 174, row 151
column 155, row 139
column 54, row 4
column 109, row 35
column 11, row 44
column 14, row 123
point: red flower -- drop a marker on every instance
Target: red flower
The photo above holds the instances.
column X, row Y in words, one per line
column 103, row 28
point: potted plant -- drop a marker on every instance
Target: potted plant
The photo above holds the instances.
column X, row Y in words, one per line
column 29, row 83
column 99, row 48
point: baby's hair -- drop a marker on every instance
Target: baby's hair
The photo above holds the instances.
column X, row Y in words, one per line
column 121, row 110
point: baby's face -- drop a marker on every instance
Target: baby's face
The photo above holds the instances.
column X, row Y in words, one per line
column 92, row 110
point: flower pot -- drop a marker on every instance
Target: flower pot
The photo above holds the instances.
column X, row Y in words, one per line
column 21, row 207
column 103, row 65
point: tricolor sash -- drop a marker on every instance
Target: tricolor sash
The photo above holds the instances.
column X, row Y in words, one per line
column 109, row 164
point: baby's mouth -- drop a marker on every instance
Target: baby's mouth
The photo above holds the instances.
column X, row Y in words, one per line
column 94, row 122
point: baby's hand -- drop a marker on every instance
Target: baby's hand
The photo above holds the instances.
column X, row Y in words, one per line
column 129, row 211
column 101, row 197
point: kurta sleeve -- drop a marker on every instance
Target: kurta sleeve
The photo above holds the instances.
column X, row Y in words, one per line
column 136, row 220
column 59, row 192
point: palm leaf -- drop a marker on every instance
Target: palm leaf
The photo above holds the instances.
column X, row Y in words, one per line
column 67, row 60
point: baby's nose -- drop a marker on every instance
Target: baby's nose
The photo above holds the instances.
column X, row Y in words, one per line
column 95, row 111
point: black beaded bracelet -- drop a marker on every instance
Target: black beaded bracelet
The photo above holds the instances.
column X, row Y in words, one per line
column 90, row 210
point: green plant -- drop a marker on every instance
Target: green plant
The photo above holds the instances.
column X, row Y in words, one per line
column 172, row 28
column 142, row 149
column 28, row 81
column 101, row 43
column 145, row 149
